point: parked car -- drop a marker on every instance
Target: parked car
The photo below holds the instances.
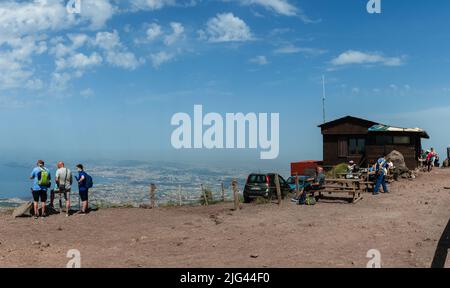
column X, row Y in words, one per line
column 302, row 182
column 263, row 185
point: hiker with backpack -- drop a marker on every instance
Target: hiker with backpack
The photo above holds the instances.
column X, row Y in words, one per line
column 84, row 184
column 41, row 183
column 63, row 181
column 381, row 172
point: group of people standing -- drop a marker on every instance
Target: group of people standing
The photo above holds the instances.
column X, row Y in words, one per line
column 429, row 159
column 42, row 182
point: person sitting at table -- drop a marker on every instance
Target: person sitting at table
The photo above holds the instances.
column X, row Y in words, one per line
column 351, row 168
column 313, row 184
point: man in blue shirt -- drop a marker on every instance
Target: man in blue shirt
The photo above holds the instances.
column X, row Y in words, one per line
column 41, row 182
column 83, row 189
column 381, row 170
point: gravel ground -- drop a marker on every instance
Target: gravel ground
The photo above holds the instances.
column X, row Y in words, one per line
column 405, row 226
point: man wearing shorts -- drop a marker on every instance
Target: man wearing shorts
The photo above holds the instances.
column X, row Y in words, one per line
column 63, row 180
column 39, row 190
column 83, row 189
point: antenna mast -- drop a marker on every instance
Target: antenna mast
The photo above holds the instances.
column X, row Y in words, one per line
column 323, row 98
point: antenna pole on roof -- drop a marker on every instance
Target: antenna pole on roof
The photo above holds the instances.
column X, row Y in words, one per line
column 323, row 98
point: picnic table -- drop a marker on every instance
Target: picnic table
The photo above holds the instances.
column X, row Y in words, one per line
column 364, row 179
column 350, row 187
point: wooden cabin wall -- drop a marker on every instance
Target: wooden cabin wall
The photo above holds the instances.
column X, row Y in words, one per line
column 410, row 152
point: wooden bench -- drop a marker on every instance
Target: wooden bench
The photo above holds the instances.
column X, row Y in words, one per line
column 341, row 186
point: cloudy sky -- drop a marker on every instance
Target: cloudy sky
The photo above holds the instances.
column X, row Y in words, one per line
column 105, row 83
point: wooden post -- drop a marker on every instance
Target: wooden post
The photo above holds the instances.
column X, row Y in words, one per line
column 296, row 183
column 234, row 185
column 277, row 185
column 204, row 195
column 223, row 192
column 180, row 202
column 152, row 195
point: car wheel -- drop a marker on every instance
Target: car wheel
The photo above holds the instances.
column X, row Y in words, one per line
column 247, row 199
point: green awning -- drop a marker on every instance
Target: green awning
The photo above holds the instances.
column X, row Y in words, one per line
column 386, row 128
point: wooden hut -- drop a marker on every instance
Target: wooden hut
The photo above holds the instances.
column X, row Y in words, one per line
column 364, row 141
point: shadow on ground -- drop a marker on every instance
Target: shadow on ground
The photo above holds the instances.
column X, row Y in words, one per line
column 440, row 256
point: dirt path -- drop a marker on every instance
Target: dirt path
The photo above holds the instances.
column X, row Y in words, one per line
column 404, row 226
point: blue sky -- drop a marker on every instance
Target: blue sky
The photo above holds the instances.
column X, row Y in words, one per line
column 105, row 83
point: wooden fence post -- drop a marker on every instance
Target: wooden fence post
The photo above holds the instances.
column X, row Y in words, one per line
column 204, row 195
column 223, row 192
column 277, row 185
column 234, row 185
column 152, row 195
column 180, row 202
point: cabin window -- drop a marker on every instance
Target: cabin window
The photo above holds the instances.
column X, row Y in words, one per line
column 356, row 146
column 402, row 140
column 383, row 140
column 342, row 148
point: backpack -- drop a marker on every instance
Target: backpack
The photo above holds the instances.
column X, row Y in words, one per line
column 89, row 181
column 310, row 200
column 44, row 178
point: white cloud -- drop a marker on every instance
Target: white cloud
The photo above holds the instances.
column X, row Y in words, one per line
column 97, row 12
column 12, row 73
column 16, row 58
column 160, row 58
column 87, row 93
column 154, row 31
column 126, row 60
column 291, row 49
column 226, row 27
column 357, row 57
column 24, row 26
column 20, row 18
column 79, row 61
column 60, row 80
column 152, row 4
column 60, row 49
column 177, row 33
column 116, row 53
column 27, row 18
column 35, row 84
column 356, row 90
column 107, row 40
column 279, row 6
column 259, row 60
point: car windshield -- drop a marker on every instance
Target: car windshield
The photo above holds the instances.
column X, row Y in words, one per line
column 257, row 179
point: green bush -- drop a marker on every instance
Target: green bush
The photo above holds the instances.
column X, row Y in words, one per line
column 340, row 168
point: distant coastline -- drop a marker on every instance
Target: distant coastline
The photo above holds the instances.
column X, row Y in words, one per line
column 127, row 182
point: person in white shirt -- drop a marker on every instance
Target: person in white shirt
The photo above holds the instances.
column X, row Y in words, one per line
column 64, row 185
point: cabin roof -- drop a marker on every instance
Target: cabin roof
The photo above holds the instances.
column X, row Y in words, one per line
column 386, row 128
column 375, row 127
column 347, row 119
